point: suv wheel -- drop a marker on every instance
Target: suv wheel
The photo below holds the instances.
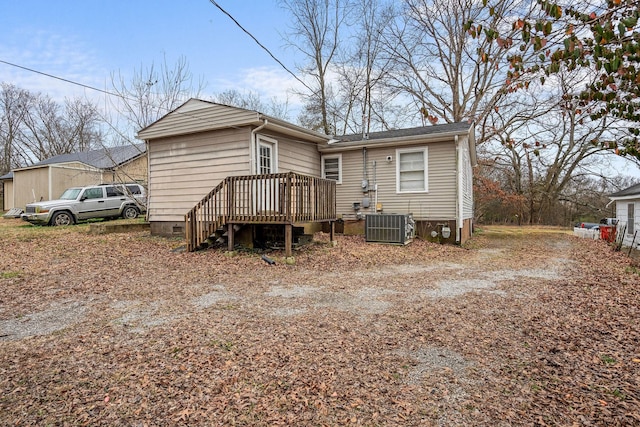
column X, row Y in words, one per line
column 62, row 218
column 130, row 212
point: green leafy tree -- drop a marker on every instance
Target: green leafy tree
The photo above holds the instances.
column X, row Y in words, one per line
column 600, row 36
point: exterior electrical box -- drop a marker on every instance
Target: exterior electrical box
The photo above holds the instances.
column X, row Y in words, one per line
column 389, row 228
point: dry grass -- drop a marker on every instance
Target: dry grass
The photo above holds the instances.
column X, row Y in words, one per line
column 514, row 230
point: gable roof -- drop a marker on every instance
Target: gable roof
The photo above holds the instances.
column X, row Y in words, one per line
column 105, row 158
column 197, row 115
column 627, row 193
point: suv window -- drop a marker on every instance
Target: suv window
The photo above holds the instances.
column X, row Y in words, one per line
column 93, row 193
column 114, row 192
column 70, row 194
column 134, row 189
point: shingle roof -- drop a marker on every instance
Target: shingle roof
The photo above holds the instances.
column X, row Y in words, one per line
column 105, row 158
column 459, row 127
column 629, row 191
column 7, row 175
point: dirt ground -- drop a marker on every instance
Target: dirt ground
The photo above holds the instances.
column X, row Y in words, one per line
column 522, row 326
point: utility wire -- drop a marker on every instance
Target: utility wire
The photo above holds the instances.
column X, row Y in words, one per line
column 96, row 89
column 63, row 79
column 120, row 96
column 104, row 119
column 260, row 44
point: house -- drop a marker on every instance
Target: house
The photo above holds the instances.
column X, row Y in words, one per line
column 628, row 213
column 46, row 180
column 212, row 166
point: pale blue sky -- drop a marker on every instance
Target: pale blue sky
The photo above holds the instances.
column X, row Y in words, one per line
column 87, row 40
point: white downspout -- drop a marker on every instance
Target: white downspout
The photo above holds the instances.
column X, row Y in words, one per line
column 459, row 186
column 252, row 166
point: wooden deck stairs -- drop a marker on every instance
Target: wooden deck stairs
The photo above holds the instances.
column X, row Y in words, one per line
column 286, row 198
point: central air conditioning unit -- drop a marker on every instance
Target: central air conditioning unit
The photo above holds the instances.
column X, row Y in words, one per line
column 389, row 228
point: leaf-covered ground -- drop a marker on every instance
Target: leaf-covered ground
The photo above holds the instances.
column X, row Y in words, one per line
column 520, row 327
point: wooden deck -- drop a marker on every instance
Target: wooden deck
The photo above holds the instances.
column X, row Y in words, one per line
column 286, row 198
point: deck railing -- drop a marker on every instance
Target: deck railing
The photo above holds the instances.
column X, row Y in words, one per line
column 285, row 198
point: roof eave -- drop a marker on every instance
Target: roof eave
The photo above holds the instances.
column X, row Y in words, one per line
column 48, row 165
column 272, row 123
column 626, row 197
column 293, row 130
column 393, row 141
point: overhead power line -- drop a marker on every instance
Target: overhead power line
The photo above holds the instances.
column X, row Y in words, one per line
column 260, row 44
column 92, row 88
column 61, row 79
column 84, row 86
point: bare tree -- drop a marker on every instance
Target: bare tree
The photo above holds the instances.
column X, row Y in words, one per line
column 82, row 123
column 317, row 25
column 444, row 72
column 252, row 101
column 362, row 101
column 52, row 129
column 42, row 125
column 34, row 127
column 14, row 106
column 151, row 93
column 549, row 146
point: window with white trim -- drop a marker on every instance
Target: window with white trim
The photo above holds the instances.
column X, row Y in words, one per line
column 332, row 167
column 266, row 156
column 631, row 214
column 411, row 170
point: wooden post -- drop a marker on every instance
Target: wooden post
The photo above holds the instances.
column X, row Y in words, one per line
column 288, row 199
column 288, row 237
column 332, row 232
column 230, row 237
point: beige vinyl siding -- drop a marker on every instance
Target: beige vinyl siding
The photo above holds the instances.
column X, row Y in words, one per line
column 438, row 203
column 197, row 116
column 296, row 156
column 183, row 169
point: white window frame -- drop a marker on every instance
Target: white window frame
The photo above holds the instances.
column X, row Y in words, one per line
column 271, row 143
column 425, row 158
column 333, row 156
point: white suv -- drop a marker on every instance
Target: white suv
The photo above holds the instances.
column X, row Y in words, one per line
column 94, row 201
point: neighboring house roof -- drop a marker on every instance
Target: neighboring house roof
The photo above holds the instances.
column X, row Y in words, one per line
column 197, row 115
column 627, row 193
column 105, row 158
